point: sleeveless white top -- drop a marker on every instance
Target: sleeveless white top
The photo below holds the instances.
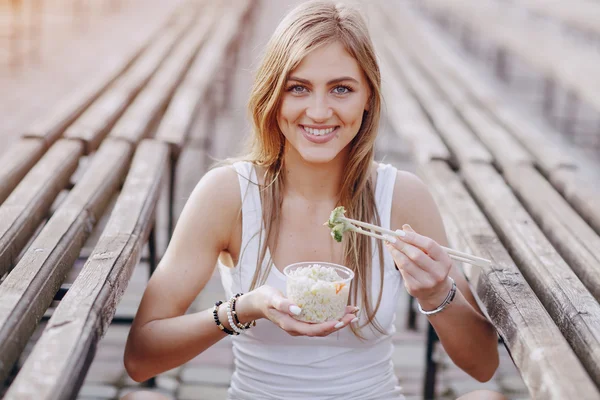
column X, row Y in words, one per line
column 270, row 364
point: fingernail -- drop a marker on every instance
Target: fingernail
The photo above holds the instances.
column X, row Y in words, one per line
column 339, row 325
column 354, row 320
column 390, row 238
column 295, row 310
column 400, row 232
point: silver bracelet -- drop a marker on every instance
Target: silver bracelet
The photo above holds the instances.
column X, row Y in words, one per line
column 444, row 304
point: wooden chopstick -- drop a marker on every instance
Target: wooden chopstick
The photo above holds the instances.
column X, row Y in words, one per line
column 454, row 254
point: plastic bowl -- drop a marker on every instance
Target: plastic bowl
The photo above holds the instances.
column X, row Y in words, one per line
column 320, row 289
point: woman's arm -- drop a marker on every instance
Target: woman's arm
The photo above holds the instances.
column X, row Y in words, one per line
column 467, row 336
column 161, row 336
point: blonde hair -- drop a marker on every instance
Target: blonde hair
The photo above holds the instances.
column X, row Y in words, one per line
column 307, row 27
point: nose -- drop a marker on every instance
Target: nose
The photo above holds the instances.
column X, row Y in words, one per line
column 319, row 110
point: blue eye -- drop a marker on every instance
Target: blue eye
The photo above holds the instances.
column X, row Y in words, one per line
column 342, row 89
column 297, row 89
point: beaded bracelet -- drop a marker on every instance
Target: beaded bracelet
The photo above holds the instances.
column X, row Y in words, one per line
column 230, row 318
column 219, row 324
column 235, row 317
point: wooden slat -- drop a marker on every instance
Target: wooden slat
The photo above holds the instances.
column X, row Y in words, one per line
column 566, row 230
column 408, row 120
column 505, row 149
column 29, row 288
column 572, row 307
column 174, row 127
column 428, row 47
column 29, row 203
column 547, row 364
column 459, row 139
column 16, row 161
column 52, row 125
column 150, row 104
column 583, row 15
column 582, row 192
column 63, row 354
column 95, row 123
column 564, row 60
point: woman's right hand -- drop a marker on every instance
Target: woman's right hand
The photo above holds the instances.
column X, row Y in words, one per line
column 270, row 303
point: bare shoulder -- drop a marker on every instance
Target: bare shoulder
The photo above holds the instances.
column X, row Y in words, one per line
column 414, row 204
column 219, row 191
column 214, row 204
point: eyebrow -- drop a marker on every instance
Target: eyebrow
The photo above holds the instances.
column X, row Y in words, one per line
column 331, row 82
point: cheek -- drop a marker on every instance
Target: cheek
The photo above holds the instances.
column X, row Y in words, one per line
column 289, row 111
column 351, row 113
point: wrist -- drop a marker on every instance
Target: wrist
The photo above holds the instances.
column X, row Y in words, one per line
column 435, row 299
column 247, row 308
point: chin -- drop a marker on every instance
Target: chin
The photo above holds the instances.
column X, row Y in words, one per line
column 318, row 157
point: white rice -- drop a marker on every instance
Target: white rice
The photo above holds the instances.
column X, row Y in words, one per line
column 316, row 290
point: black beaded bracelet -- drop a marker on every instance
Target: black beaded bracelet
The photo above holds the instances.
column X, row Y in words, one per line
column 219, row 324
column 235, row 317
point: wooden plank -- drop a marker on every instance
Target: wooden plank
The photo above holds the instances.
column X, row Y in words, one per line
column 570, row 63
column 572, row 307
column 29, row 203
column 567, row 231
column 152, row 101
column 52, row 125
column 463, row 144
column 506, row 150
column 63, row 354
column 29, row 288
column 16, row 162
column 175, row 125
column 547, row 364
column 408, row 120
column 582, row 192
column 503, row 147
column 95, row 123
column 428, row 47
column 548, row 154
column 583, row 15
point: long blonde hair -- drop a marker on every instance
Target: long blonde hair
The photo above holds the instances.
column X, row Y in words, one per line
column 307, row 27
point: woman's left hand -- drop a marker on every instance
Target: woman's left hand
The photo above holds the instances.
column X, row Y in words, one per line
column 424, row 266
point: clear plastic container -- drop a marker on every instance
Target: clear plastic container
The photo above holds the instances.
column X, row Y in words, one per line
column 320, row 289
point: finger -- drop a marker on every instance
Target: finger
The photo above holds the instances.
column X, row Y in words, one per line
column 352, row 310
column 426, row 244
column 417, row 256
column 412, row 274
column 284, row 305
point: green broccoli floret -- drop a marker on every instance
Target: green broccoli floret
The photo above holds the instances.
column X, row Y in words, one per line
column 334, row 217
column 337, row 225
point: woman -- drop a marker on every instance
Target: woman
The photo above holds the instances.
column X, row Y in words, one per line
column 315, row 109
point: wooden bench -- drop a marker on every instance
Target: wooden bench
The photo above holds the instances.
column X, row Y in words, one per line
column 580, row 15
column 119, row 163
column 504, row 209
column 558, row 60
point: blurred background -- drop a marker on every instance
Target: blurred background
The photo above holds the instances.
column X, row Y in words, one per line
column 537, row 59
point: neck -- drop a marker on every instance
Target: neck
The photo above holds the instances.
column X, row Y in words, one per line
column 320, row 182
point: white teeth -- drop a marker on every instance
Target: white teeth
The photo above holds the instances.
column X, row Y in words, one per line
column 318, row 132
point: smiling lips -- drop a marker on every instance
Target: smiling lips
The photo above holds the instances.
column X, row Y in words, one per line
column 319, row 135
column 318, row 132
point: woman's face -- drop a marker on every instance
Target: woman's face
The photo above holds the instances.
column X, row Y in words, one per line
column 323, row 104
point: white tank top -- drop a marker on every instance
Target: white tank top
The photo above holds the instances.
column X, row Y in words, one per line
column 270, row 364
